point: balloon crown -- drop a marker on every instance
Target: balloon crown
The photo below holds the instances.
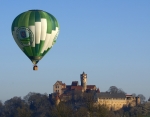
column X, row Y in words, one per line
column 35, row 10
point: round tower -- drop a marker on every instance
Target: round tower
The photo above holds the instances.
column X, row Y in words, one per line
column 83, row 78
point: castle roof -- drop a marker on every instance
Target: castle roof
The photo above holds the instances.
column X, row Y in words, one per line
column 91, row 86
column 68, row 87
column 76, row 87
column 74, row 83
column 110, row 95
column 60, row 83
column 98, row 91
column 63, row 88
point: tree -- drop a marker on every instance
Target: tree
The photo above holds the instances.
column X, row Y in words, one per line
column 149, row 99
column 114, row 89
column 93, row 109
column 101, row 111
column 11, row 106
column 24, row 112
column 88, row 102
column 39, row 104
column 133, row 94
column 121, row 91
column 1, row 109
column 61, row 110
column 80, row 112
column 142, row 98
column 111, row 114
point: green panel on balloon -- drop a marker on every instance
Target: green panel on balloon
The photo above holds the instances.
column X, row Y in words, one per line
column 32, row 19
column 35, row 39
column 46, row 51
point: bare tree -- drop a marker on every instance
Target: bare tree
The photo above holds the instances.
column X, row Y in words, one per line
column 101, row 111
column 1, row 109
column 121, row 91
column 133, row 94
column 61, row 110
column 11, row 106
column 88, row 102
column 142, row 98
column 80, row 112
column 149, row 99
column 39, row 104
column 24, row 112
column 114, row 89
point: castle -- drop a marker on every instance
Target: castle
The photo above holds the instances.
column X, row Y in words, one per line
column 114, row 101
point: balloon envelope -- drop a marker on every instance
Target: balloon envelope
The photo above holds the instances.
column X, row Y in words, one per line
column 35, row 32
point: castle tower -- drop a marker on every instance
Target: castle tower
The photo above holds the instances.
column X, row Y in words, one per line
column 138, row 101
column 57, row 100
column 83, row 78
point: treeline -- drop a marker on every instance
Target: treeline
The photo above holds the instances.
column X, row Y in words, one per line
column 40, row 105
column 114, row 89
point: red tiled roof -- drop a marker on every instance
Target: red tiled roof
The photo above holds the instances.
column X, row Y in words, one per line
column 128, row 95
column 63, row 88
column 98, row 91
column 91, row 86
column 79, row 87
column 60, row 82
column 68, row 87
column 76, row 87
column 64, row 85
column 74, row 83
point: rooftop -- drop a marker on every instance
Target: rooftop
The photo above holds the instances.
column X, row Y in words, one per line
column 111, row 95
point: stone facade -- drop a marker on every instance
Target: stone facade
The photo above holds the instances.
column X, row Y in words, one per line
column 58, row 87
column 83, row 78
column 116, row 101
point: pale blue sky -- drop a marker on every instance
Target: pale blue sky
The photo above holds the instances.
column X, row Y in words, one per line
column 109, row 40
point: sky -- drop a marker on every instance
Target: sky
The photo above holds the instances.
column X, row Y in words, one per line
column 108, row 40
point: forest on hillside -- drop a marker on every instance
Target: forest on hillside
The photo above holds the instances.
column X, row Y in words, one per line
column 40, row 105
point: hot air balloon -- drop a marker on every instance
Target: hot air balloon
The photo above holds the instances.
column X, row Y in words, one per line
column 35, row 32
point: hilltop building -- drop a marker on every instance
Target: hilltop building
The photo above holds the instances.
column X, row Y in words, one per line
column 61, row 88
column 114, row 101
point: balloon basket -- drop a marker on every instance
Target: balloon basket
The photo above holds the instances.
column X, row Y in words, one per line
column 35, row 67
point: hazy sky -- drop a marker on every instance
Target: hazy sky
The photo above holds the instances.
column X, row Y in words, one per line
column 107, row 39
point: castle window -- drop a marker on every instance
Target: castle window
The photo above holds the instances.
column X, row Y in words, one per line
column 57, row 86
